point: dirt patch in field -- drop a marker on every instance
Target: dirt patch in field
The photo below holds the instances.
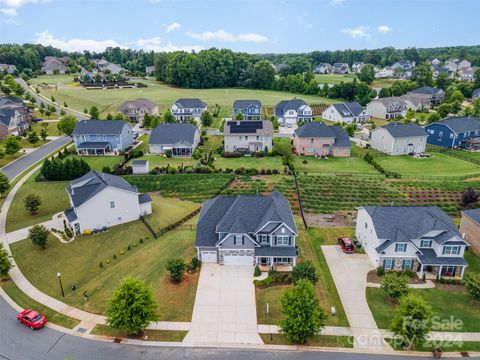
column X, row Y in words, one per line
column 330, row 220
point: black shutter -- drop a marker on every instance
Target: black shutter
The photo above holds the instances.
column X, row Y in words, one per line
column 243, row 240
column 275, row 240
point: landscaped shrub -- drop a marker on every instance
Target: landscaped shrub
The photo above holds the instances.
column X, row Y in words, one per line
column 380, row 271
column 472, row 285
column 305, row 270
column 136, row 153
column 233, row 154
column 176, row 268
column 257, row 271
column 194, row 264
column 68, row 169
column 395, row 285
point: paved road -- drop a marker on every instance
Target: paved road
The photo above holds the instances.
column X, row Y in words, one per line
column 17, row 342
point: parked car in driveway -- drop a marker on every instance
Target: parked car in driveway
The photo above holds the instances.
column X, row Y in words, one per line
column 346, row 245
column 32, row 319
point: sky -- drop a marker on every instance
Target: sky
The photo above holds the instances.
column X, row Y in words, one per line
column 253, row 26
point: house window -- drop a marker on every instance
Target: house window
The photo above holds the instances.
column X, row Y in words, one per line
column 440, row 133
column 388, row 264
column 426, row 243
column 282, row 260
column 407, row 264
column 366, row 225
column 311, row 141
column 283, row 240
column 451, row 250
column 99, row 137
column 451, row 136
column 112, row 204
column 264, row 239
column 238, row 240
column 401, row 247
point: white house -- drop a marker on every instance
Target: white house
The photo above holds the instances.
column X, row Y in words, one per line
column 292, row 111
column 399, row 139
column 184, row 109
column 346, row 113
column 387, row 108
column 102, row 200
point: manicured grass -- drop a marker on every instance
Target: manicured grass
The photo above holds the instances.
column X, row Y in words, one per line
column 446, row 346
column 271, row 296
column 438, row 165
column 148, row 335
column 22, row 300
column 50, row 126
column 168, row 211
column 98, row 162
column 212, row 143
column 317, row 340
column 9, row 158
column 337, row 165
column 473, row 262
column 79, row 263
column 382, row 83
column 248, row 162
column 444, row 303
column 334, row 78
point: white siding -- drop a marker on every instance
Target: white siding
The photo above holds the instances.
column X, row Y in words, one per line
column 367, row 235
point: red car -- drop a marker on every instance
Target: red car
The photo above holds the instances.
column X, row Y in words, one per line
column 346, row 245
column 32, row 319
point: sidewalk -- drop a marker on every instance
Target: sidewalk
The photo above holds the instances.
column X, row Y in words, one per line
column 21, row 234
column 427, row 285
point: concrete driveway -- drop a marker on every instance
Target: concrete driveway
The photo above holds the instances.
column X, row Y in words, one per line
column 224, row 310
column 349, row 272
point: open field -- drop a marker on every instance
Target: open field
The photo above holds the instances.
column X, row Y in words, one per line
column 334, row 78
column 351, row 165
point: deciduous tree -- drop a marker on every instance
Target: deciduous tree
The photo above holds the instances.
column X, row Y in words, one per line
column 5, row 263
column 38, row 234
column 66, row 124
column 32, row 203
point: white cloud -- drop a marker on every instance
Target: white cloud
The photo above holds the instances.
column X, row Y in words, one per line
column 337, row 3
column 16, row 3
column 360, row 32
column 172, row 27
column 8, row 11
column 384, row 29
column 222, row 35
column 155, row 44
column 45, row 38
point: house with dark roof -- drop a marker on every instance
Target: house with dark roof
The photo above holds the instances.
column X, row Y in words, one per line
column 15, row 117
column 247, row 230
column 422, row 239
column 455, row 132
column 106, row 66
column 292, row 111
column 398, row 139
column 357, row 66
column 8, row 68
column 184, row 109
column 99, row 137
column 340, row 68
column 318, row 139
column 432, row 95
column 470, row 228
column 247, row 136
column 346, row 113
column 323, row 68
column 181, row 139
column 135, row 110
column 437, row 70
column 54, row 65
column 100, row 200
column 250, row 109
column 387, row 108
column 404, row 65
column 475, row 94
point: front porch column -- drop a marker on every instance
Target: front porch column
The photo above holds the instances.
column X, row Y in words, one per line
column 462, row 272
column 440, row 271
column 294, row 261
column 421, row 270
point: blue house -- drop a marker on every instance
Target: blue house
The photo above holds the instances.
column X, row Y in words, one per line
column 454, row 132
column 250, row 109
column 99, row 137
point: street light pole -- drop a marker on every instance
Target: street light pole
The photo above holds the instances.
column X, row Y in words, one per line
column 59, row 276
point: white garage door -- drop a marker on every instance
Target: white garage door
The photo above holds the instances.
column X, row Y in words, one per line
column 238, row 260
column 209, row 256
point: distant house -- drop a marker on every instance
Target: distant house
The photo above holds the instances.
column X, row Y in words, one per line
column 432, row 95
column 415, row 102
column 323, row 69
column 456, row 64
column 135, row 110
column 180, row 138
column 15, row 117
column 247, row 230
column 340, row 68
column 250, row 109
column 102, row 200
column 99, row 137
column 453, row 132
column 316, row 138
column 292, row 111
column 437, row 70
column 384, row 73
column 357, row 67
column 7, row 69
column 149, row 70
column 470, row 228
column 184, row 109
column 476, row 94
column 387, row 108
column 346, row 113
column 104, row 65
column 422, row 239
column 467, row 74
column 404, row 64
column 52, row 65
column 398, row 139
column 140, row 167
column 435, row 62
column 248, row 136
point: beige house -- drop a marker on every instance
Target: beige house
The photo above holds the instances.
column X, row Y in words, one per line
column 248, row 136
column 387, row 108
column 470, row 228
column 135, row 110
column 318, row 139
column 399, row 139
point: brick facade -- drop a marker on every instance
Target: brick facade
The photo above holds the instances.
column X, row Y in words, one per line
column 472, row 233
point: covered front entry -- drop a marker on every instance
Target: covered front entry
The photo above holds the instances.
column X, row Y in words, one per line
column 238, row 260
column 434, row 271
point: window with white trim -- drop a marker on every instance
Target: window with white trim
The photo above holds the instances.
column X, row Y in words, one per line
column 283, row 240
column 112, row 204
column 407, row 264
column 388, row 264
column 400, row 247
column 451, row 250
column 426, row 243
column 238, row 240
column 264, row 239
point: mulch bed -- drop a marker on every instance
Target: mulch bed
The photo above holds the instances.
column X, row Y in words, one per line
column 372, row 277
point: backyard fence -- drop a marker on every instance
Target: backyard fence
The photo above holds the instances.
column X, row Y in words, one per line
column 179, row 225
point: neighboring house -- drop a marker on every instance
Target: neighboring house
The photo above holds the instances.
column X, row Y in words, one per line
column 357, row 67
column 250, row 109
column 135, row 110
column 140, row 167
column 470, row 228
column 98, row 137
column 432, row 95
column 454, row 132
column 104, row 65
column 421, row 239
column 149, row 70
column 247, row 230
column 456, row 64
column 102, row 200
column 435, row 62
column 248, row 136
column 436, row 70
column 384, row 73
column 316, row 138
column 7, row 68
column 398, row 139
column 340, row 68
column 404, row 64
column 387, row 108
column 14, row 117
column 346, row 113
column 415, row 102
column 52, row 65
column 476, row 94
column 184, row 109
column 467, row 74
column 323, row 69
column 292, row 111
column 180, row 138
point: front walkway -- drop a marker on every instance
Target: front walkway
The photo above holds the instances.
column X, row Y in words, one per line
column 224, row 311
column 21, row 234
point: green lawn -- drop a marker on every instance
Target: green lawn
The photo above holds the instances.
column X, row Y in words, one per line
column 248, row 162
column 271, row 296
column 25, row 302
column 444, row 304
column 50, row 126
column 334, row 78
column 351, row 165
column 79, row 263
column 162, row 161
column 473, row 261
column 438, row 165
column 6, row 159
column 148, row 335
column 98, row 162
column 317, row 340
column 446, row 346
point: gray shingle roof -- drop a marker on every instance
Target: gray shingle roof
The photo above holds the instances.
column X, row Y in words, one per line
column 276, row 251
column 70, row 215
column 425, row 90
column 100, row 127
column 93, row 182
column 173, row 133
column 6, row 115
column 191, row 103
column 144, row 198
column 461, row 124
column 399, row 130
column 244, row 104
column 137, row 103
column 319, row 129
column 349, row 109
column 257, row 127
column 285, row 105
column 429, row 257
column 139, row 162
column 341, row 137
column 476, row 93
column 473, row 214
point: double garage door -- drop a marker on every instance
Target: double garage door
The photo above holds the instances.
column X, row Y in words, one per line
column 238, row 260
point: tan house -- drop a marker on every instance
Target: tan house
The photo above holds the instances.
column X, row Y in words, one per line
column 248, row 136
column 470, row 228
column 316, row 138
column 135, row 110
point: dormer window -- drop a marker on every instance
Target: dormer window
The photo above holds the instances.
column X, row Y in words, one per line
column 426, row 243
column 400, row 247
column 238, row 240
column 451, row 250
column 264, row 239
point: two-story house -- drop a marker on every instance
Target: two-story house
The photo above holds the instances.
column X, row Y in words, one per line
column 340, row 68
column 52, row 65
column 184, row 109
column 292, row 111
column 383, row 73
column 181, row 139
column 432, row 95
column 104, row 65
column 99, row 137
column 135, row 110
column 398, row 139
column 324, row 68
column 102, row 200
column 421, row 239
column 454, row 132
column 250, row 109
column 357, row 66
column 318, row 139
column 14, row 117
column 247, row 230
column 346, row 113
column 248, row 136
column 387, row 108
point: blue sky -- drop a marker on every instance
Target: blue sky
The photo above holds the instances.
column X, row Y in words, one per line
column 243, row 25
